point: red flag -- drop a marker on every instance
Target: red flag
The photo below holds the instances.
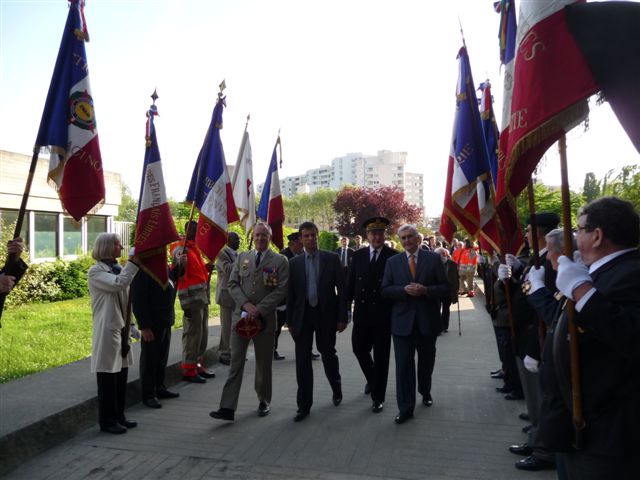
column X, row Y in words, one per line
column 551, row 82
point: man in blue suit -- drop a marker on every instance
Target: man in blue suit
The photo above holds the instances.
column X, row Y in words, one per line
column 416, row 282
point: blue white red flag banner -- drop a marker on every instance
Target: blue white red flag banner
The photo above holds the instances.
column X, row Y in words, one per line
column 469, row 202
column 210, row 189
column 243, row 188
column 546, row 100
column 489, row 128
column 68, row 126
column 271, row 207
column 154, row 225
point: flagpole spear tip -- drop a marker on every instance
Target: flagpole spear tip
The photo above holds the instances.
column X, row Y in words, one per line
column 154, row 95
column 246, row 125
column 464, row 44
column 222, row 86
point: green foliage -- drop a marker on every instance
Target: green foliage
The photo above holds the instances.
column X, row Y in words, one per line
column 51, row 282
column 327, row 241
column 128, row 206
column 315, row 207
column 547, row 200
column 591, row 188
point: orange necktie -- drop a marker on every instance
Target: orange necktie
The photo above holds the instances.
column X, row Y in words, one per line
column 412, row 265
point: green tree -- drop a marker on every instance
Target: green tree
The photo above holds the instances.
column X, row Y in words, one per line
column 128, row 206
column 547, row 200
column 591, row 188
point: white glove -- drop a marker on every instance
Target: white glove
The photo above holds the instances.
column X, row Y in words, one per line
column 135, row 333
column 513, row 261
column 531, row 364
column 570, row 276
column 504, row 272
column 577, row 257
column 536, row 279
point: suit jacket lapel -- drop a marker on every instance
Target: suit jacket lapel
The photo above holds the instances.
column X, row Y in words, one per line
column 422, row 262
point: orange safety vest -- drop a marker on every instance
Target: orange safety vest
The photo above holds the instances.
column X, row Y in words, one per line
column 196, row 271
column 469, row 256
column 455, row 256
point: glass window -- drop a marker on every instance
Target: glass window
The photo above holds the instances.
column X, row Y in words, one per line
column 72, row 237
column 46, row 228
column 8, row 219
column 95, row 226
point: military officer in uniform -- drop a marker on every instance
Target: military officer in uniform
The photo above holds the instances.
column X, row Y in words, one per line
column 372, row 313
column 258, row 284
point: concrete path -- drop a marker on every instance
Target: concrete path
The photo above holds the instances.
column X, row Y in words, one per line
column 464, row 435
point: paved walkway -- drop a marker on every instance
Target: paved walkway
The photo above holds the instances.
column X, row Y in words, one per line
column 464, row 435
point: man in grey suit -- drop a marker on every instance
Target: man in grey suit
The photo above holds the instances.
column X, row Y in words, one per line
column 258, row 284
column 416, row 282
column 224, row 264
column 316, row 304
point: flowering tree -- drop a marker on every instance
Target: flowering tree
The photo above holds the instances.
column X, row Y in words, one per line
column 354, row 205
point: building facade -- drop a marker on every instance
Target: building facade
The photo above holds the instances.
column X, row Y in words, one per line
column 48, row 232
column 387, row 168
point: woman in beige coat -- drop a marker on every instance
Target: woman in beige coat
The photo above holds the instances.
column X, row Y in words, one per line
column 108, row 287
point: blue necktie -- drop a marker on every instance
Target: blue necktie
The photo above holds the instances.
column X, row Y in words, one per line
column 312, row 282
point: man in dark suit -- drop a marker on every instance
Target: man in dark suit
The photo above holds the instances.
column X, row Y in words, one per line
column 294, row 248
column 345, row 253
column 316, row 303
column 605, row 289
column 153, row 307
column 416, row 282
column 372, row 313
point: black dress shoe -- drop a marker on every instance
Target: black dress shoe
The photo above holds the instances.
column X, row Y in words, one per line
column 503, row 390
column 115, row 429
column 493, row 372
column 301, row 415
column 514, row 396
column 377, row 407
column 263, row 409
column 152, row 402
column 315, row 356
column 194, row 379
column 524, row 416
column 498, row 375
column 337, row 398
column 277, row 356
column 367, row 389
column 128, row 423
column 224, row 360
column 533, row 463
column 164, row 394
column 403, row 417
column 526, row 428
column 205, row 374
column 523, row 449
column 427, row 401
column 223, row 414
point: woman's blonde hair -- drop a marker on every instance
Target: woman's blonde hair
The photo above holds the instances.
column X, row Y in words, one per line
column 104, row 246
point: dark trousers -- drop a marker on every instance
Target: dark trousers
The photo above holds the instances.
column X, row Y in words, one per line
column 582, row 466
column 508, row 359
column 374, row 336
column 445, row 306
column 153, row 362
column 112, row 388
column 281, row 319
column 326, row 344
column 405, row 349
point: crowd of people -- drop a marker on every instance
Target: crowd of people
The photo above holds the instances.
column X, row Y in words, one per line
column 546, row 308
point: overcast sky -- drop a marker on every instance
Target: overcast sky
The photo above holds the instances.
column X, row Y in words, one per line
column 335, row 76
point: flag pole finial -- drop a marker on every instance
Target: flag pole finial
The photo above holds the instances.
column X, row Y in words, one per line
column 464, row 44
column 246, row 125
column 222, row 86
column 154, row 95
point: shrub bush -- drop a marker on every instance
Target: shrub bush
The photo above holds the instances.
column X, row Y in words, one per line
column 52, row 281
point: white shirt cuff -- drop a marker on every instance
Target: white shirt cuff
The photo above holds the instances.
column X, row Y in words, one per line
column 585, row 298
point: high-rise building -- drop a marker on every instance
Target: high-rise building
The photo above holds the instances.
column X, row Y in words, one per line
column 387, row 168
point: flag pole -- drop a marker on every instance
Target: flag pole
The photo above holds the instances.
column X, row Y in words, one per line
column 533, row 222
column 576, row 388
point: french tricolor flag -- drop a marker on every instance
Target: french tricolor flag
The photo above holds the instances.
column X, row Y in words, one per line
column 210, row 189
column 68, row 126
column 154, row 228
column 271, row 208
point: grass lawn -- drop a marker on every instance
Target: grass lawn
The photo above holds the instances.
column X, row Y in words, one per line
column 40, row 336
